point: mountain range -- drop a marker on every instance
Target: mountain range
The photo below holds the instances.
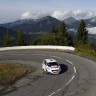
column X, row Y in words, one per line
column 33, row 25
column 44, row 24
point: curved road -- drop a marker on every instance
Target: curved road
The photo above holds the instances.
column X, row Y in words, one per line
column 78, row 76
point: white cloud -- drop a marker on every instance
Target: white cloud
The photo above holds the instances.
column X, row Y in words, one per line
column 26, row 15
column 92, row 30
column 61, row 15
column 34, row 14
column 78, row 14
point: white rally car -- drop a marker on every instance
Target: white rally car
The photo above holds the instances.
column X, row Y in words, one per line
column 51, row 66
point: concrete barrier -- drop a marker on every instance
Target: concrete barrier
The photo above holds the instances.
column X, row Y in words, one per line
column 65, row 48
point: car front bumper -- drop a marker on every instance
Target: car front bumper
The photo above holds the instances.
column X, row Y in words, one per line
column 54, row 71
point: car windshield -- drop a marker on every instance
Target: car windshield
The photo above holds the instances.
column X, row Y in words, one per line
column 52, row 64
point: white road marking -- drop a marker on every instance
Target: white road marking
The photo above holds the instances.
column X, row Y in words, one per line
column 74, row 69
column 72, row 65
column 70, row 62
column 40, row 54
column 54, row 92
column 57, row 57
column 74, row 72
column 70, row 80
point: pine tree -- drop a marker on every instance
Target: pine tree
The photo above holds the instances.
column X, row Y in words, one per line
column 66, row 38
column 54, row 29
column 63, row 28
column 61, row 38
column 20, row 38
column 7, row 40
column 82, row 33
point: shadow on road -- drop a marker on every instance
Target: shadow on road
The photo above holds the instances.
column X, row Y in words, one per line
column 64, row 68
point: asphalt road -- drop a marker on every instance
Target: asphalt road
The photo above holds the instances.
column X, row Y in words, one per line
column 78, row 76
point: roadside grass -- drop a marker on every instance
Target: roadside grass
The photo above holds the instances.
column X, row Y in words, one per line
column 86, row 53
column 9, row 73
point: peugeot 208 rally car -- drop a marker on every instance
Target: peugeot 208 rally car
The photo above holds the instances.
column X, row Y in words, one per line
column 51, row 66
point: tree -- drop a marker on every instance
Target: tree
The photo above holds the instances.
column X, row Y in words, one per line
column 62, row 38
column 20, row 38
column 82, row 38
column 54, row 29
column 82, row 33
column 7, row 40
column 66, row 38
column 63, row 28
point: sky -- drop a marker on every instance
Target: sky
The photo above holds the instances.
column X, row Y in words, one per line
column 11, row 10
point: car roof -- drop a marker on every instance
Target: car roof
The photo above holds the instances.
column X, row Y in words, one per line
column 50, row 60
